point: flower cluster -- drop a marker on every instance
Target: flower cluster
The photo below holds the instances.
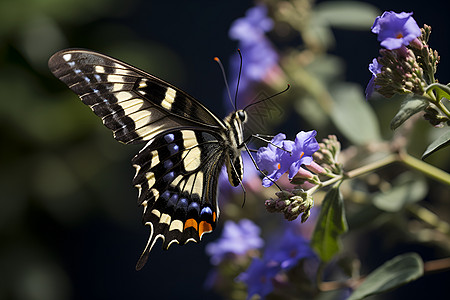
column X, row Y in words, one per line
column 407, row 65
column 291, row 204
column 397, row 70
column 299, row 201
column 327, row 156
column 282, row 155
column 283, row 254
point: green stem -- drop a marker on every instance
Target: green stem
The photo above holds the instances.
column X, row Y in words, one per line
column 443, row 108
column 403, row 157
column 363, row 170
column 429, row 217
column 425, row 168
column 319, row 274
column 372, row 166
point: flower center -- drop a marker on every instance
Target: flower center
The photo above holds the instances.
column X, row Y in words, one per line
column 301, row 155
column 399, row 35
column 278, row 166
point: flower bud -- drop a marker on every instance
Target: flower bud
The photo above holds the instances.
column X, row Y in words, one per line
column 416, row 43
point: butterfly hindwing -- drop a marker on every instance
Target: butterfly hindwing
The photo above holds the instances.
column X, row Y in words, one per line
column 176, row 175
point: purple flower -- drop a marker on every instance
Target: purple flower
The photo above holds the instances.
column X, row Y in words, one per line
column 270, row 159
column 252, row 28
column 290, row 157
column 236, row 239
column 284, row 253
column 374, row 68
column 302, row 150
column 258, row 277
column 289, row 250
column 395, row 30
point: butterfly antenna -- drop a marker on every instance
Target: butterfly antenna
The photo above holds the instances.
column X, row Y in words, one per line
column 270, row 97
column 225, row 80
column 239, row 77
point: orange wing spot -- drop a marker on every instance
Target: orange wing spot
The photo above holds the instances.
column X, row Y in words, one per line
column 203, row 228
column 214, row 216
column 190, row 223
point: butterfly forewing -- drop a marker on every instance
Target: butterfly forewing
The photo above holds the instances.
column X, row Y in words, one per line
column 177, row 171
column 135, row 105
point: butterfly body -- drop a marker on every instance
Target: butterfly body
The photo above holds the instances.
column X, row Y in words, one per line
column 185, row 145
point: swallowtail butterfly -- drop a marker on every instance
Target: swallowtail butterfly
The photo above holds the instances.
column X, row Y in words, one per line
column 185, row 144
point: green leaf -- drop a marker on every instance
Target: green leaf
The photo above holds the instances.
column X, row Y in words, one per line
column 330, row 225
column 442, row 91
column 440, row 143
column 347, row 14
column 352, row 115
column 410, row 106
column 392, row 274
column 407, row 188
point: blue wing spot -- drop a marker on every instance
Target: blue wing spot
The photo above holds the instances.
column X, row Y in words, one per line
column 206, row 210
column 173, row 148
column 87, row 79
column 97, row 77
column 193, row 206
column 77, row 71
column 71, row 63
column 169, row 137
column 165, row 195
column 182, row 204
column 168, row 164
column 169, row 177
column 173, row 200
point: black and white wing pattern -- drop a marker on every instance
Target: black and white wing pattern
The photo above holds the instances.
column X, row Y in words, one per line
column 185, row 148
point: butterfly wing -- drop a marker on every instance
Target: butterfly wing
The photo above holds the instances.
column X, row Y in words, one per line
column 177, row 175
column 178, row 169
column 135, row 105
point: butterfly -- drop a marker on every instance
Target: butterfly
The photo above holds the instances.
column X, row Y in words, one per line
column 184, row 149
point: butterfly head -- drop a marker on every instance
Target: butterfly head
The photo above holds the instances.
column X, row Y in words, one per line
column 241, row 115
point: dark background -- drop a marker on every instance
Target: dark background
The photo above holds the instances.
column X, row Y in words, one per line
column 69, row 226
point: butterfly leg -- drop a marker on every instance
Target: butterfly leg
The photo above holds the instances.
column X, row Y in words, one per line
column 240, row 183
column 262, row 138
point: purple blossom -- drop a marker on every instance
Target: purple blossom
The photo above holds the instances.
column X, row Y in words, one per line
column 289, row 250
column 251, row 29
column 236, row 239
column 258, row 277
column 374, row 68
column 284, row 253
column 395, row 30
column 289, row 156
column 271, row 159
column 302, row 150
